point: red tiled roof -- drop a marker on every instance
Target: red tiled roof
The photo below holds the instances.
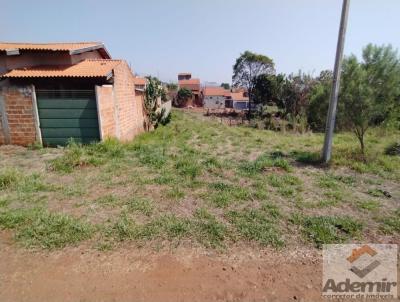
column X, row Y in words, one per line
column 215, row 91
column 86, row 68
column 189, row 82
column 140, row 81
column 238, row 96
column 48, row 46
column 73, row 48
column 192, row 84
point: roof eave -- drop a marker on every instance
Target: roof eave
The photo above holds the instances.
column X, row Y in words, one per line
column 5, row 76
column 12, row 52
column 100, row 47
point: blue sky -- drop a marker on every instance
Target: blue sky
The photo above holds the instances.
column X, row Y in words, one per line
column 205, row 37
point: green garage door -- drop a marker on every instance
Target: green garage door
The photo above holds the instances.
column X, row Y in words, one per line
column 66, row 114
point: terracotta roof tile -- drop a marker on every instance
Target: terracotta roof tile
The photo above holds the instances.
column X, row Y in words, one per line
column 140, row 81
column 238, row 96
column 48, row 46
column 86, row 68
column 216, row 91
column 189, row 82
column 192, row 84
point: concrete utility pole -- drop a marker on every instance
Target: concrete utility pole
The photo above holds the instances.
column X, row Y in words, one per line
column 330, row 121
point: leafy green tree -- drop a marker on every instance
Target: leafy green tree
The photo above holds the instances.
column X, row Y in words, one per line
column 268, row 88
column 226, row 86
column 295, row 95
column 357, row 97
column 248, row 67
column 382, row 65
column 319, row 102
column 153, row 94
column 182, row 97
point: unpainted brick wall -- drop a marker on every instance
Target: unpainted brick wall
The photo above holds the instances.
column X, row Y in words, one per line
column 130, row 108
column 2, row 135
column 108, row 127
column 19, row 112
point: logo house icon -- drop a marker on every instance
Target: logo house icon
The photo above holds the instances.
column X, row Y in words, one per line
column 357, row 253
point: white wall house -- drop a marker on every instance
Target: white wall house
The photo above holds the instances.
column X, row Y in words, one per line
column 239, row 101
column 215, row 97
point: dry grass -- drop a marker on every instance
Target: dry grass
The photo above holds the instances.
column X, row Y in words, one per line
column 199, row 182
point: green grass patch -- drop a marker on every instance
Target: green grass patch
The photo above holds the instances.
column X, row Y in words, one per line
column 305, row 157
column 263, row 162
column 378, row 193
column 188, row 167
column 224, row 194
column 328, row 229
column 163, row 227
column 175, row 193
column 150, row 155
column 39, row 228
column 369, row 205
column 12, row 179
column 287, row 185
column 328, row 181
column 391, row 224
column 142, row 205
column 256, row 225
column 8, row 178
column 78, row 155
column 208, row 230
column 108, row 200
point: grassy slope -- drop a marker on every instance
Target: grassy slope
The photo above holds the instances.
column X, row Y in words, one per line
column 198, row 182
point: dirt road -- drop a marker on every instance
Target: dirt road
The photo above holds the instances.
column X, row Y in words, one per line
column 127, row 274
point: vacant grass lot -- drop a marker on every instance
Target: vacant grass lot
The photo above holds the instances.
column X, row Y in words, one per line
column 196, row 182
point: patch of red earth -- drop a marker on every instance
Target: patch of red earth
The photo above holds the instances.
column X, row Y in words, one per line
column 130, row 274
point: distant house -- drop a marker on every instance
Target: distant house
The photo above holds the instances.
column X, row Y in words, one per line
column 239, row 101
column 52, row 92
column 215, row 97
column 185, row 81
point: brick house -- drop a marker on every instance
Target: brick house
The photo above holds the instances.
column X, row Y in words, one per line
column 185, row 80
column 52, row 92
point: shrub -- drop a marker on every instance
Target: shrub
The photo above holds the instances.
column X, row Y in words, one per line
column 393, row 149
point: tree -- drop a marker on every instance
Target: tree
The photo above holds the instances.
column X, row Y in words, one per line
column 295, row 92
column 226, row 86
column 172, row 86
column 182, row 96
column 153, row 94
column 248, row 67
column 357, row 97
column 319, row 102
column 268, row 88
column 382, row 65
